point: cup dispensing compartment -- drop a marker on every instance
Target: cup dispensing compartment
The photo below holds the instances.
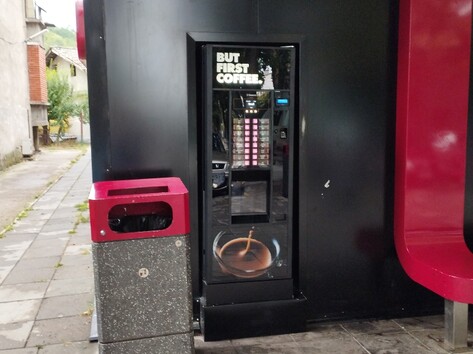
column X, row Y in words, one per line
column 251, row 160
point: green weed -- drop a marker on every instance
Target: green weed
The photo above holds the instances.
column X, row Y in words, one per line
column 82, row 206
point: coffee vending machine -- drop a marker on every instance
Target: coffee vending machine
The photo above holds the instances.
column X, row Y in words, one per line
column 248, row 278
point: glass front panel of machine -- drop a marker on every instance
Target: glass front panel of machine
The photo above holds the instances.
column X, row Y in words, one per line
column 249, row 237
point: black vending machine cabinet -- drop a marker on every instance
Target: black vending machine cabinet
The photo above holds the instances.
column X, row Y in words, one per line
column 248, row 239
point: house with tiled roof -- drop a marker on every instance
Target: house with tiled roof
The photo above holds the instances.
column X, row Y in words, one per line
column 67, row 62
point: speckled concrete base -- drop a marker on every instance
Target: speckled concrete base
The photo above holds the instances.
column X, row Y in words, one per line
column 173, row 344
column 143, row 289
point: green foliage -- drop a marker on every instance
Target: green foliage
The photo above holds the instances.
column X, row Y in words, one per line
column 82, row 101
column 82, row 206
column 60, row 37
column 61, row 101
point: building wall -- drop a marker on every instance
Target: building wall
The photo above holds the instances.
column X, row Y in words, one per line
column 15, row 127
column 78, row 82
column 37, row 74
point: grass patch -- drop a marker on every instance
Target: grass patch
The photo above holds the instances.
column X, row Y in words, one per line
column 82, row 206
column 73, row 161
column 7, row 229
column 21, row 215
column 81, row 218
column 24, row 213
column 58, row 265
column 68, row 144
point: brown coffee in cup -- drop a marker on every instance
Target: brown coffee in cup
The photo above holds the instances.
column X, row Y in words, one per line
column 236, row 254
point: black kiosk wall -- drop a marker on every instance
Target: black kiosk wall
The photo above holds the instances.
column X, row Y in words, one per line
column 296, row 224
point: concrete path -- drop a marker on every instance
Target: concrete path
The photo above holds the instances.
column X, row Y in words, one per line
column 46, row 287
column 24, row 182
column 46, row 279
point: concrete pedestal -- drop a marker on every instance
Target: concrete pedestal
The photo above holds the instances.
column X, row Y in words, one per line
column 143, row 292
column 177, row 343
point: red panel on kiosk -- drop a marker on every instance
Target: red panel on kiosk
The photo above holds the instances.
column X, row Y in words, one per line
column 80, row 27
column 139, row 199
column 432, row 110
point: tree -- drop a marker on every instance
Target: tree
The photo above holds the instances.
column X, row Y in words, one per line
column 59, row 37
column 82, row 101
column 61, row 101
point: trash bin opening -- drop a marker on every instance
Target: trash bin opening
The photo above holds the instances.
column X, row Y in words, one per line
column 140, row 217
column 140, row 190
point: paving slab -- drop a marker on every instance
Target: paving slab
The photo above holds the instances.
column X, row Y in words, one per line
column 18, row 292
column 434, row 339
column 50, row 227
column 65, row 306
column 74, row 272
column 40, row 252
column 79, row 250
column 335, row 343
column 421, row 323
column 315, row 332
column 200, row 344
column 40, row 243
column 52, row 235
column 29, row 223
column 276, row 348
column 15, row 235
column 14, row 335
column 74, row 286
column 59, row 330
column 394, row 343
column 284, row 338
column 18, row 311
column 28, row 228
column 374, row 327
column 41, row 262
column 80, row 239
column 7, row 244
column 38, row 215
column 83, row 347
column 9, row 256
column 20, row 351
column 76, row 260
column 5, row 270
column 31, row 275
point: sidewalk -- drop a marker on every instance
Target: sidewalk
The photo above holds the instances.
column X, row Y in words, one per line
column 22, row 183
column 46, row 291
column 46, row 279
